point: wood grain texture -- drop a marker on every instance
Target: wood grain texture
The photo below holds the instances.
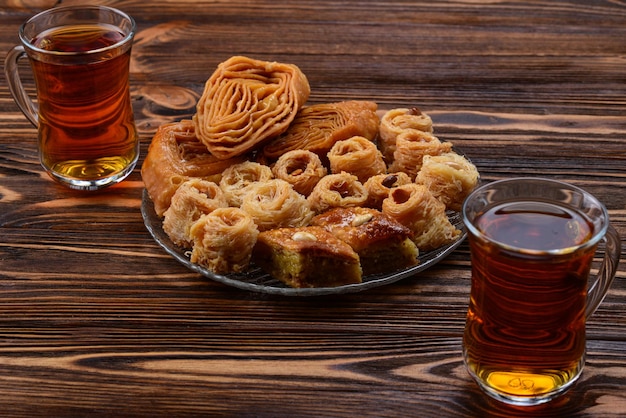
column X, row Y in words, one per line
column 97, row 320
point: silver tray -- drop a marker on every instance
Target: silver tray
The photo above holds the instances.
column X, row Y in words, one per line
column 255, row 280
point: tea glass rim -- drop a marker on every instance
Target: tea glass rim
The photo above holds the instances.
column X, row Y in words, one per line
column 27, row 42
column 592, row 242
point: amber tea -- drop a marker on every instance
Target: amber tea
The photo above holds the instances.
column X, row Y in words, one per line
column 87, row 135
column 86, row 121
column 532, row 338
column 524, row 339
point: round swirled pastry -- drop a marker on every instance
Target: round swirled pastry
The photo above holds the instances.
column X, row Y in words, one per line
column 337, row 191
column 175, row 155
column 194, row 198
column 357, row 155
column 237, row 178
column 396, row 121
column 301, row 168
column 275, row 204
column 450, row 177
column 223, row 240
column 379, row 186
column 414, row 206
column 411, row 147
column 246, row 102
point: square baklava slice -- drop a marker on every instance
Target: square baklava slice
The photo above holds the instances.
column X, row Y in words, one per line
column 307, row 257
column 382, row 243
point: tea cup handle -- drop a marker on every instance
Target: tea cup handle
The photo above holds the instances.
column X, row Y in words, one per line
column 26, row 105
column 599, row 288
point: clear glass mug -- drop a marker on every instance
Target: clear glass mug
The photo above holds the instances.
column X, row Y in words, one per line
column 80, row 57
column 532, row 244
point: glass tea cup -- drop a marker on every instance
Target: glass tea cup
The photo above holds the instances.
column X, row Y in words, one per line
column 80, row 57
column 532, row 244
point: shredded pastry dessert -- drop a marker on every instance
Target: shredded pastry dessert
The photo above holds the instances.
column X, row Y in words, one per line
column 337, row 190
column 223, row 240
column 414, row 206
column 247, row 102
column 275, row 204
column 379, row 186
column 194, row 198
column 450, row 177
column 411, row 147
column 237, row 179
column 357, row 155
column 301, row 168
column 396, row 121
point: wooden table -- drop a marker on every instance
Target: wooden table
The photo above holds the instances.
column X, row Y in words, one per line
column 97, row 320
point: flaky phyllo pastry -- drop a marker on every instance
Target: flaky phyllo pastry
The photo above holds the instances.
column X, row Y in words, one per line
column 450, row 177
column 337, row 191
column 396, row 121
column 246, row 102
column 275, row 204
column 318, row 127
column 307, row 257
column 194, row 198
column 237, row 179
column 301, row 168
column 223, row 240
column 382, row 243
column 414, row 206
column 175, row 155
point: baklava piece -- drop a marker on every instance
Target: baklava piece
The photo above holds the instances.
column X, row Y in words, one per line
column 450, row 177
column 301, row 168
column 237, row 179
column 223, row 240
column 379, row 186
column 382, row 243
column 337, row 190
column 194, row 198
column 397, row 121
column 275, row 204
column 411, row 147
column 415, row 207
column 357, row 155
column 307, row 257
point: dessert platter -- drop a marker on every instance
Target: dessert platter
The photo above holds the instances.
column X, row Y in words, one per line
column 265, row 193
